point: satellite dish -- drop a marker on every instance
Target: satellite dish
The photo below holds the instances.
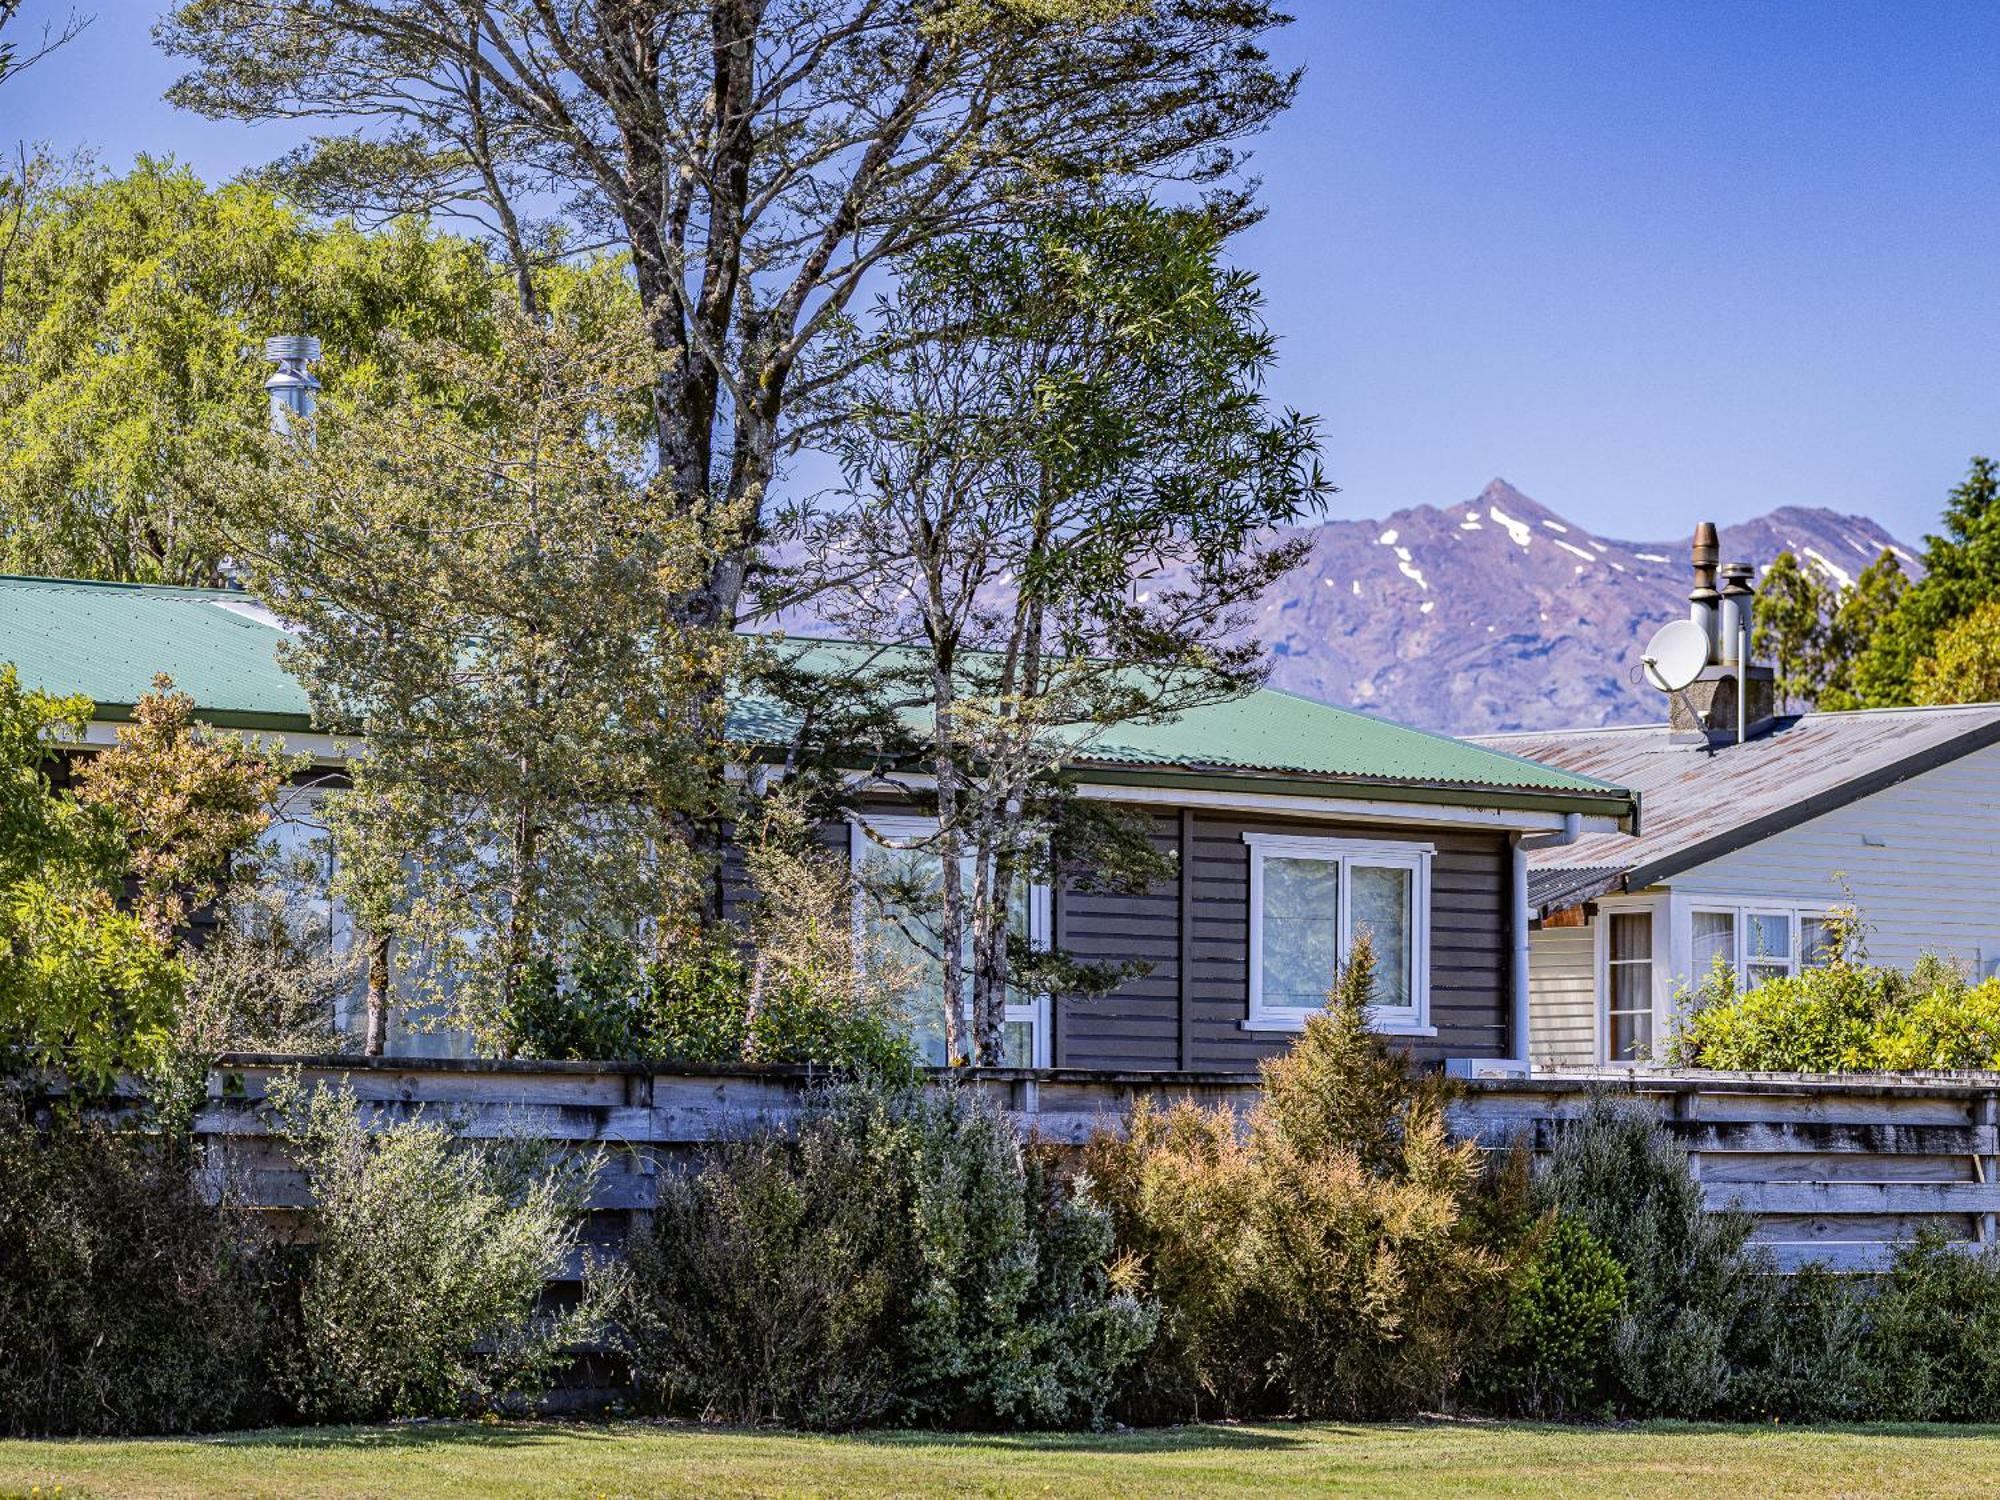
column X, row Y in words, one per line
column 1675, row 655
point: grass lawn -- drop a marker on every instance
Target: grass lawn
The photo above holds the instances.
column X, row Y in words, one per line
column 1418, row 1459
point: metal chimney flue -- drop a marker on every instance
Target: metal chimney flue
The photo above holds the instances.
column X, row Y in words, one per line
column 293, row 390
column 1703, row 600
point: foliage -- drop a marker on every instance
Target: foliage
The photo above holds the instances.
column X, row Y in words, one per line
column 429, row 1256
column 795, row 985
column 189, row 804
column 1802, row 1351
column 128, row 1301
column 1964, row 664
column 1567, row 1293
column 1935, row 1342
column 487, row 591
column 896, row 1256
column 855, row 134
column 1056, row 441
column 1846, row 1016
column 1961, row 572
column 84, row 986
column 1815, row 630
column 1320, row 1261
column 1688, row 1283
column 131, row 353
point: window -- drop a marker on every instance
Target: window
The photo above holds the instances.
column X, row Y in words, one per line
column 1760, row 943
column 1309, row 898
column 1629, row 996
column 890, row 860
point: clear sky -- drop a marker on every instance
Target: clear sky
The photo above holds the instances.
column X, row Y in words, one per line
column 1649, row 261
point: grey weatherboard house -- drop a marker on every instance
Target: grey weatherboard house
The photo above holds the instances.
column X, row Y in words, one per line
column 1292, row 824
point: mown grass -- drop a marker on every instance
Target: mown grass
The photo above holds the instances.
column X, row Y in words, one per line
column 1418, row 1459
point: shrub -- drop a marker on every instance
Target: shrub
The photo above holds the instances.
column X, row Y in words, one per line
column 898, row 1256
column 1688, row 1282
column 1802, row 1352
column 1935, row 1348
column 1849, row 1016
column 1323, row 1259
column 128, row 1303
column 1566, row 1297
column 421, row 1293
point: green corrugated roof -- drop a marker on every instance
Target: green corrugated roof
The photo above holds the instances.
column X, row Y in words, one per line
column 107, row 641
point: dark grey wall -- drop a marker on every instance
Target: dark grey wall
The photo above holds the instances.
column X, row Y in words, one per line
column 1200, row 924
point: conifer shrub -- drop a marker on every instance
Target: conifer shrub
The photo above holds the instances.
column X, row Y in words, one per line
column 1563, row 1306
column 898, row 1256
column 1934, row 1345
column 129, row 1302
column 1324, row 1256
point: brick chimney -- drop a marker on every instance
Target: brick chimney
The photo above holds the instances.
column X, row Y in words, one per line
column 1710, row 711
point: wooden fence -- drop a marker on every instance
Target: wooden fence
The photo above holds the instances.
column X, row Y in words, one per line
column 1832, row 1169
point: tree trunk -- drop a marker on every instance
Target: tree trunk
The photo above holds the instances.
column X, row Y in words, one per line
column 375, row 1038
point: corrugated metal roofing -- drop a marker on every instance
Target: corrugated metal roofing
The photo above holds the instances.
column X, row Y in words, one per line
column 1700, row 802
column 108, row 640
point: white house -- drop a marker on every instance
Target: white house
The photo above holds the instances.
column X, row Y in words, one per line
column 1754, row 827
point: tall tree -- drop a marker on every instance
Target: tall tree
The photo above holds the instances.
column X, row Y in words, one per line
column 133, row 312
column 14, row 59
column 758, row 159
column 486, row 590
column 1817, row 631
column 1961, row 572
column 1964, row 664
column 1063, row 479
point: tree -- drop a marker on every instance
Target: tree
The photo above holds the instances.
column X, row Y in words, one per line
column 133, row 312
column 84, row 987
column 1961, row 572
column 1964, row 665
column 1817, row 632
column 1062, row 479
column 758, row 162
column 13, row 60
column 486, row 589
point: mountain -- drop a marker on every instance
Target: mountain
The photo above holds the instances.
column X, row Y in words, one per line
column 1500, row 614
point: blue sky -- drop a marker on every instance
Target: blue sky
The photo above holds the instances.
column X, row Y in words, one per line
column 1648, row 261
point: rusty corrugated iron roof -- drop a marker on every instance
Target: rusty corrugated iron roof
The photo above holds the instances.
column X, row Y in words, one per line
column 1699, row 803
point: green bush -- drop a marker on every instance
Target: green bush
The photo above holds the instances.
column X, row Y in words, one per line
column 1325, row 1257
column 898, row 1256
column 1802, row 1351
column 1688, row 1280
column 421, row 1295
column 1567, row 1294
column 1847, row 1017
column 1934, row 1351
column 128, row 1302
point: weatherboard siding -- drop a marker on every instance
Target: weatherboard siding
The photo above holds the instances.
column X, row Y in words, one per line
column 1562, row 1026
column 1932, row 883
column 1142, row 1024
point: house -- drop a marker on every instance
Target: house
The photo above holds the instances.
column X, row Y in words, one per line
column 1293, row 823
column 1758, row 825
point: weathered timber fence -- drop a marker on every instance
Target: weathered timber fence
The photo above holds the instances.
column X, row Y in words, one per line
column 1834, row 1169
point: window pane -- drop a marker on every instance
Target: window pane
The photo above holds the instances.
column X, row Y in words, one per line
column 1017, row 1044
column 1714, row 937
column 901, row 916
column 1770, row 935
column 1755, row 974
column 1631, row 936
column 1632, row 986
column 1819, row 942
column 1631, row 1036
column 1382, row 898
column 1301, row 919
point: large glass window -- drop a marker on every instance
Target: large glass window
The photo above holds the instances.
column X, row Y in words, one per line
column 900, row 878
column 1756, row 944
column 1629, row 1001
column 1714, row 938
column 1767, row 947
column 1310, row 898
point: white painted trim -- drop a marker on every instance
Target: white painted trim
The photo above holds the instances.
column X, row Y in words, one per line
column 1413, row 1020
column 1345, row 808
column 325, row 749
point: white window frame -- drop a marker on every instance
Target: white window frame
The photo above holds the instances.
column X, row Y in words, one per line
column 1408, row 1020
column 1740, row 914
column 1655, row 962
column 869, row 831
